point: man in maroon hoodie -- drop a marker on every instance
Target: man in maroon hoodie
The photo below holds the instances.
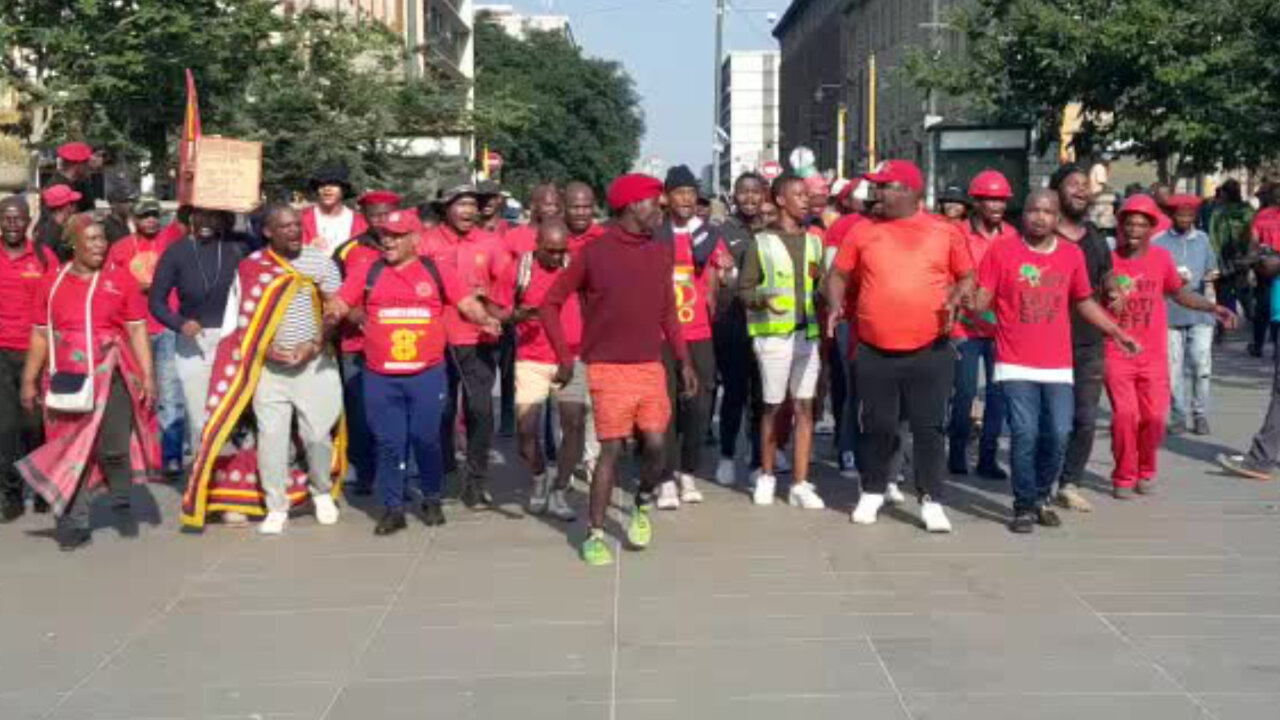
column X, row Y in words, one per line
column 629, row 313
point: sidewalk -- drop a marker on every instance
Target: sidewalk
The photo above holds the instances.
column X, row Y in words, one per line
column 1165, row 608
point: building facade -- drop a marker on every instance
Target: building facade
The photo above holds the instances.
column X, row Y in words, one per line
column 749, row 112
column 518, row 25
column 812, row 37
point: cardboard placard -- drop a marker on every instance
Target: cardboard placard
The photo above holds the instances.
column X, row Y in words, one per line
column 228, row 174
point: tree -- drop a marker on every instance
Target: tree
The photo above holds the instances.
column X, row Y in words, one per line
column 1166, row 79
column 586, row 121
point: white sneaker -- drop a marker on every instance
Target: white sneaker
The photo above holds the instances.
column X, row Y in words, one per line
column 326, row 509
column 689, row 492
column 804, row 495
column 848, row 465
column 274, row 523
column 726, row 473
column 235, row 519
column 766, row 486
column 558, row 506
column 781, row 465
column 893, row 494
column 538, row 496
column 935, row 518
column 668, row 498
column 868, row 508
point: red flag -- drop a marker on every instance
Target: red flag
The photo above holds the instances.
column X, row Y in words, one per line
column 187, row 147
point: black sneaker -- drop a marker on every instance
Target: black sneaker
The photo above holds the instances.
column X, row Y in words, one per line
column 40, row 506
column 74, row 539
column 476, row 494
column 1023, row 523
column 1200, row 426
column 1254, row 350
column 12, row 510
column 1242, row 466
column 957, row 467
column 992, row 471
column 1048, row 518
column 392, row 522
column 433, row 512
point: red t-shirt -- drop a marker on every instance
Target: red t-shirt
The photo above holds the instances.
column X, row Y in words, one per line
column 693, row 308
column 970, row 325
column 1032, row 296
column 520, row 240
column 577, row 242
column 404, row 331
column 478, row 260
column 139, row 255
column 1144, row 282
column 116, row 301
column 20, row 280
column 531, row 341
column 354, row 257
column 1266, row 227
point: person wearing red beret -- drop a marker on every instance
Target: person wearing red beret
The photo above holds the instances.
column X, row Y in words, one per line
column 76, row 164
column 58, row 204
column 629, row 314
column 1138, row 385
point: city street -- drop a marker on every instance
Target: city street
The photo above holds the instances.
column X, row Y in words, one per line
column 1162, row 608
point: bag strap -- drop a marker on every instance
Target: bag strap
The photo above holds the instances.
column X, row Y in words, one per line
column 524, row 275
column 428, row 264
column 88, row 318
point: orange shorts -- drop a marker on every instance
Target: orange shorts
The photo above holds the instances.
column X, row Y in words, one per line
column 626, row 398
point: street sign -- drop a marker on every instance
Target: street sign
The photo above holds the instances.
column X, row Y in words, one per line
column 494, row 162
column 771, row 170
column 802, row 158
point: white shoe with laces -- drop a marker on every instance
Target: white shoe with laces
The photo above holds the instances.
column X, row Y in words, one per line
column 558, row 506
column 274, row 523
column 893, row 494
column 668, row 497
column 689, row 492
column 766, row 486
column 538, row 496
column 326, row 509
column 726, row 473
column 935, row 518
column 804, row 495
column 868, row 509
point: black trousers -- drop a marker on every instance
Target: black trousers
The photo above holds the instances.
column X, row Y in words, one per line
column 110, row 452
column 740, row 387
column 914, row 386
column 687, row 432
column 507, row 367
column 20, row 431
column 1262, row 314
column 472, row 370
column 1088, row 363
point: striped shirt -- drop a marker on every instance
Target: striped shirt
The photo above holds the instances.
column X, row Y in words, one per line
column 300, row 319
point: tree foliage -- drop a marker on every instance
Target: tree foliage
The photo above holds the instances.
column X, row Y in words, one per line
column 1165, row 79
column 586, row 120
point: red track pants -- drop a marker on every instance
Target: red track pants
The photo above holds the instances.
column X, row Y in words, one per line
column 1139, row 392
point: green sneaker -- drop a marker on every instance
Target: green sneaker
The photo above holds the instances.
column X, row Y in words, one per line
column 640, row 530
column 595, row 551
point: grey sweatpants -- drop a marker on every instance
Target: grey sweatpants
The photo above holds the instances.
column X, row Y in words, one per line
column 314, row 393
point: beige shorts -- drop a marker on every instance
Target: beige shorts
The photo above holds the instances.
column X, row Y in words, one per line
column 535, row 384
column 789, row 364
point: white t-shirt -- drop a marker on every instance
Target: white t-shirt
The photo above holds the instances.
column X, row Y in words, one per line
column 333, row 230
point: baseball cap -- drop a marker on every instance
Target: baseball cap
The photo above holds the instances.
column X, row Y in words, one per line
column 401, row 222
column 146, row 206
column 899, row 171
column 59, row 196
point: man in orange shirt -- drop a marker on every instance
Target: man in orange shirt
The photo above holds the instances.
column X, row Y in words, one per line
column 909, row 271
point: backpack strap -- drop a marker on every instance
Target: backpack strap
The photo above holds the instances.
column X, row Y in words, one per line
column 375, row 271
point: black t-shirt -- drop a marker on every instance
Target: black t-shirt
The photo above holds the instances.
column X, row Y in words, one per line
column 737, row 238
column 1097, row 262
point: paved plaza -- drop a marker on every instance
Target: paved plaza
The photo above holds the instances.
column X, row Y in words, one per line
column 1165, row 608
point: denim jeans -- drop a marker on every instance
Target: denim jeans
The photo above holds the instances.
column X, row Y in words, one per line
column 1190, row 367
column 1040, row 416
column 170, row 407
column 970, row 354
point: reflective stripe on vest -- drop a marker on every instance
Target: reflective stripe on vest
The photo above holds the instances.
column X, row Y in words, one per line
column 779, row 285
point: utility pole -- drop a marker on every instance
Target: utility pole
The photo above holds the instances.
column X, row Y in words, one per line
column 719, row 91
column 411, row 40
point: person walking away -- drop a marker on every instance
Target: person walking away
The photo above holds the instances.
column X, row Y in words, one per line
column 1264, row 234
column 975, row 336
column 1229, row 234
column 89, row 344
column 23, row 266
column 57, row 206
column 782, row 272
column 1190, row 333
column 1261, row 462
column 910, row 271
column 1030, row 282
column 629, row 313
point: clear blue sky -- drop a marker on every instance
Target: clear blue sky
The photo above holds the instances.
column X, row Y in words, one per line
column 666, row 46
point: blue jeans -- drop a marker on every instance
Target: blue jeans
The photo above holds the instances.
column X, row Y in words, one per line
column 170, row 408
column 972, row 353
column 360, row 451
column 408, row 408
column 1040, row 416
column 1190, row 368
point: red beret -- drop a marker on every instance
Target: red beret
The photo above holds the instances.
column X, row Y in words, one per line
column 59, row 196
column 899, row 171
column 402, row 222
column 380, row 197
column 75, row 152
column 1179, row 202
column 633, row 188
column 1142, row 205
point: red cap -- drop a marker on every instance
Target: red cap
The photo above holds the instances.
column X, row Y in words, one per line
column 633, row 188
column 990, row 184
column 849, row 188
column 899, row 171
column 75, row 152
column 817, row 184
column 1142, row 204
column 59, row 196
column 401, row 222
column 1180, row 202
column 379, row 197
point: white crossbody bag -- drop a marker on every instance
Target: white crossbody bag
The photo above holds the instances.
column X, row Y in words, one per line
column 71, row 392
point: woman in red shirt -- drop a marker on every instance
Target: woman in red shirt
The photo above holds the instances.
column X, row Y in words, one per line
column 90, row 332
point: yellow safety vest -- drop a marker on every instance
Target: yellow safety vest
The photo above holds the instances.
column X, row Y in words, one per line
column 779, row 285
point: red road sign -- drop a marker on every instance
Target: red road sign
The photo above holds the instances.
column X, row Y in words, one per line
column 771, row 170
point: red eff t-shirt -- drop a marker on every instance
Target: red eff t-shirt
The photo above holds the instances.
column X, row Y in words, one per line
column 1143, row 282
column 979, row 325
column 20, row 280
column 1032, row 296
column 404, row 332
column 478, row 260
column 116, row 301
column 693, row 308
column 531, row 341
